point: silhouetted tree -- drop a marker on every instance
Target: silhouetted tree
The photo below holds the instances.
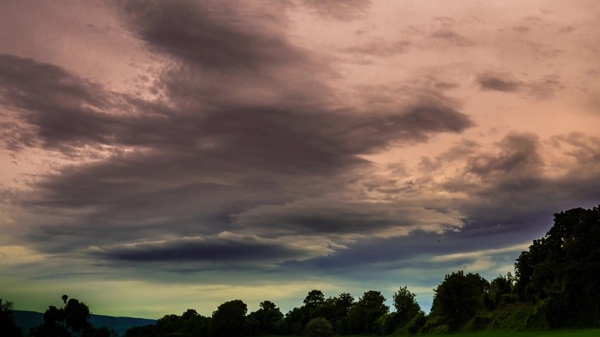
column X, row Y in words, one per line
column 8, row 328
column 364, row 314
column 266, row 317
column 72, row 319
column 459, row 297
column 563, row 269
column 230, row 319
column 314, row 299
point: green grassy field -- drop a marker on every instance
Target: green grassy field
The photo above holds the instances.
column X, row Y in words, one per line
column 553, row 333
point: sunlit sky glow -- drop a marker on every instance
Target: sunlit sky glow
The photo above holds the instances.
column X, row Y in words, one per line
column 165, row 155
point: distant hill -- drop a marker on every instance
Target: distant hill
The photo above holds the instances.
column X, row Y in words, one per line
column 29, row 319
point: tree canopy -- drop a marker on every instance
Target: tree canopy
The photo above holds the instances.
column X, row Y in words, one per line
column 7, row 323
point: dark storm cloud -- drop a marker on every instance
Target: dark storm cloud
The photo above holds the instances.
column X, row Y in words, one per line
column 326, row 217
column 62, row 107
column 209, row 249
column 188, row 169
column 519, row 156
column 511, row 192
column 245, row 128
column 218, row 36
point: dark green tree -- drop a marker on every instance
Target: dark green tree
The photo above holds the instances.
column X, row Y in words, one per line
column 459, row 297
column 364, row 314
column 561, row 271
column 230, row 319
column 501, row 289
column 266, row 317
column 406, row 305
column 8, row 328
column 314, row 299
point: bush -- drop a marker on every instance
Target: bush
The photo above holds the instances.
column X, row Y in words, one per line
column 416, row 324
column 387, row 324
column 319, row 327
column 442, row 330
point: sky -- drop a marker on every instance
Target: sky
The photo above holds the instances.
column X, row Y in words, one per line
column 164, row 155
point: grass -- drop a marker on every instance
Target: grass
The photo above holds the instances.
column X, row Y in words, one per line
column 549, row 333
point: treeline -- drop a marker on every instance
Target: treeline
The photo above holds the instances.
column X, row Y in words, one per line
column 71, row 319
column 556, row 284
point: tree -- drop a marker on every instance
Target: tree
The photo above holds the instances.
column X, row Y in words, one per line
column 319, row 327
column 500, row 289
column 77, row 316
column 459, row 297
column 230, row 319
column 8, row 328
column 314, row 299
column 72, row 319
column 406, row 305
column 365, row 313
column 343, row 304
column 561, row 271
column 266, row 317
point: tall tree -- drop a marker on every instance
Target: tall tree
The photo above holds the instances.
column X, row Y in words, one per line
column 72, row 319
column 314, row 299
column 459, row 297
column 266, row 317
column 563, row 269
column 230, row 319
column 406, row 305
column 8, row 328
column 367, row 310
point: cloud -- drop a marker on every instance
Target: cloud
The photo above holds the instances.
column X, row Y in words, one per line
column 450, row 37
column 519, row 157
column 354, row 219
column 543, row 88
column 223, row 248
column 498, row 82
column 213, row 35
column 379, row 48
column 182, row 166
column 345, row 10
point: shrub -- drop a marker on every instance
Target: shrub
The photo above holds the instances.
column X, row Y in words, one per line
column 319, row 327
column 416, row 324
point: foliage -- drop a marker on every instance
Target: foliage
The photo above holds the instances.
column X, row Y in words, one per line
column 368, row 309
column 319, row 327
column 7, row 323
column 416, row 324
column 406, row 305
column 562, row 269
column 459, row 297
column 71, row 319
column 230, row 319
column 265, row 318
column 314, row 299
column 386, row 323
